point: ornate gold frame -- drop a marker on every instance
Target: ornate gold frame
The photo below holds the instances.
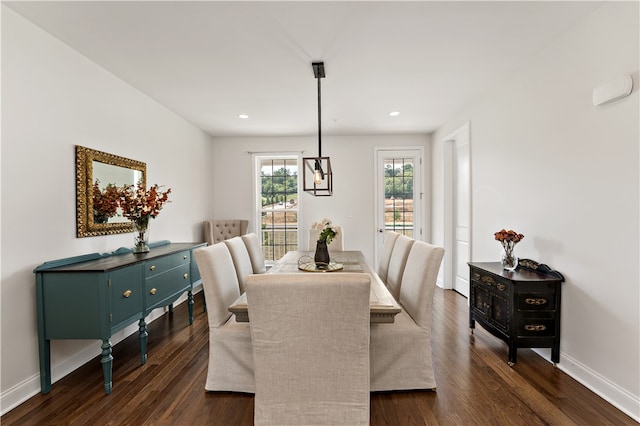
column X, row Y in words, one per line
column 85, row 225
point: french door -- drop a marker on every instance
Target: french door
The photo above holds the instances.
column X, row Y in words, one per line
column 398, row 194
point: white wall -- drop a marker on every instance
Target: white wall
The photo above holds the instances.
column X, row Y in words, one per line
column 550, row 165
column 52, row 99
column 352, row 160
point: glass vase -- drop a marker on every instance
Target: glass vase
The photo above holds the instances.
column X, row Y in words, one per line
column 509, row 260
column 322, row 255
column 141, row 239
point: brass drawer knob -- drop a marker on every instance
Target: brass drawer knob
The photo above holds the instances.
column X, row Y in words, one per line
column 152, row 267
column 153, row 291
column 185, row 276
column 127, row 293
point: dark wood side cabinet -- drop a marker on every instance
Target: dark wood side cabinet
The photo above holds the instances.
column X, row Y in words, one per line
column 520, row 307
column 95, row 295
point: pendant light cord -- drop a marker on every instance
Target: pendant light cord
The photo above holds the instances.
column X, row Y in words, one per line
column 319, row 121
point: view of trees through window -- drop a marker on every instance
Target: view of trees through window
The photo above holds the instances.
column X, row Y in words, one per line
column 279, row 206
column 398, row 195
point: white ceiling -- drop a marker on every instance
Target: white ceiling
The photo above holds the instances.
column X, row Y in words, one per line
column 209, row 61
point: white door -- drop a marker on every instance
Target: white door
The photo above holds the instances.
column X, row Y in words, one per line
column 398, row 194
column 461, row 208
column 457, row 211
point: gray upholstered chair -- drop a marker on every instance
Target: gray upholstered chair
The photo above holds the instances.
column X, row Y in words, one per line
column 230, row 354
column 241, row 259
column 310, row 336
column 385, row 255
column 397, row 262
column 216, row 231
column 252, row 242
column 401, row 352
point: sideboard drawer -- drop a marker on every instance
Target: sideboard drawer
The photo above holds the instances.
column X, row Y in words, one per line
column 536, row 302
column 489, row 280
column 160, row 287
column 536, row 327
column 163, row 264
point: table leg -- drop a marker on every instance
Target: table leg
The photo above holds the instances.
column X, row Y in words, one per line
column 107, row 365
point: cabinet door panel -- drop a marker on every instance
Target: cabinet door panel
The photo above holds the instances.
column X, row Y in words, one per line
column 126, row 293
column 479, row 300
column 499, row 312
column 71, row 297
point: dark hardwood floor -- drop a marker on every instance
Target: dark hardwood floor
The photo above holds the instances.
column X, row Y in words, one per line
column 475, row 384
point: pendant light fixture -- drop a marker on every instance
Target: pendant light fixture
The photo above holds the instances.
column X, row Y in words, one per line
column 316, row 172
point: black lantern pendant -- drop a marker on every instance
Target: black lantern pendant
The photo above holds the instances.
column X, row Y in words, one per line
column 316, row 172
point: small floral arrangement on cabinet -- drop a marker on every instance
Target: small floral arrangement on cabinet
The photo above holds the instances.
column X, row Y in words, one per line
column 327, row 230
column 508, row 239
column 139, row 205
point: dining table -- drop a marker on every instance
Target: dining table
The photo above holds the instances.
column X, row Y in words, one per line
column 383, row 306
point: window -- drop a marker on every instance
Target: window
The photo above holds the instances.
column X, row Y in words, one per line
column 277, row 204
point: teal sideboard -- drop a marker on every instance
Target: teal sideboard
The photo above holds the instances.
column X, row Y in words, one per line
column 96, row 295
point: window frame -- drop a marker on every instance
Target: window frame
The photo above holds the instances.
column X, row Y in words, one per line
column 258, row 159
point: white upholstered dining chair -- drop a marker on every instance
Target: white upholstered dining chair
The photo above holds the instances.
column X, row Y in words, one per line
column 256, row 254
column 241, row 259
column 230, row 356
column 385, row 255
column 401, row 352
column 310, row 336
column 397, row 262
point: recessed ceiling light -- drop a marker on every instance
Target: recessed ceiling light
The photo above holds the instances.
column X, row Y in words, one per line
column 243, row 116
column 394, row 113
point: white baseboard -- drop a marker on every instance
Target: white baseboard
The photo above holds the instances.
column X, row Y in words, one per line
column 26, row 389
column 605, row 389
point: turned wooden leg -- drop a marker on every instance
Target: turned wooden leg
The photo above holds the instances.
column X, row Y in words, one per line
column 107, row 365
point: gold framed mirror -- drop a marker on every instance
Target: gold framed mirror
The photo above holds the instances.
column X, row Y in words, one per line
column 98, row 174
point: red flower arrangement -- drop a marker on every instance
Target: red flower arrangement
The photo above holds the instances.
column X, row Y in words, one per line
column 509, row 239
column 138, row 205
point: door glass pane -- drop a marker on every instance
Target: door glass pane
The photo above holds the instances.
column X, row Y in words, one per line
column 398, row 195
